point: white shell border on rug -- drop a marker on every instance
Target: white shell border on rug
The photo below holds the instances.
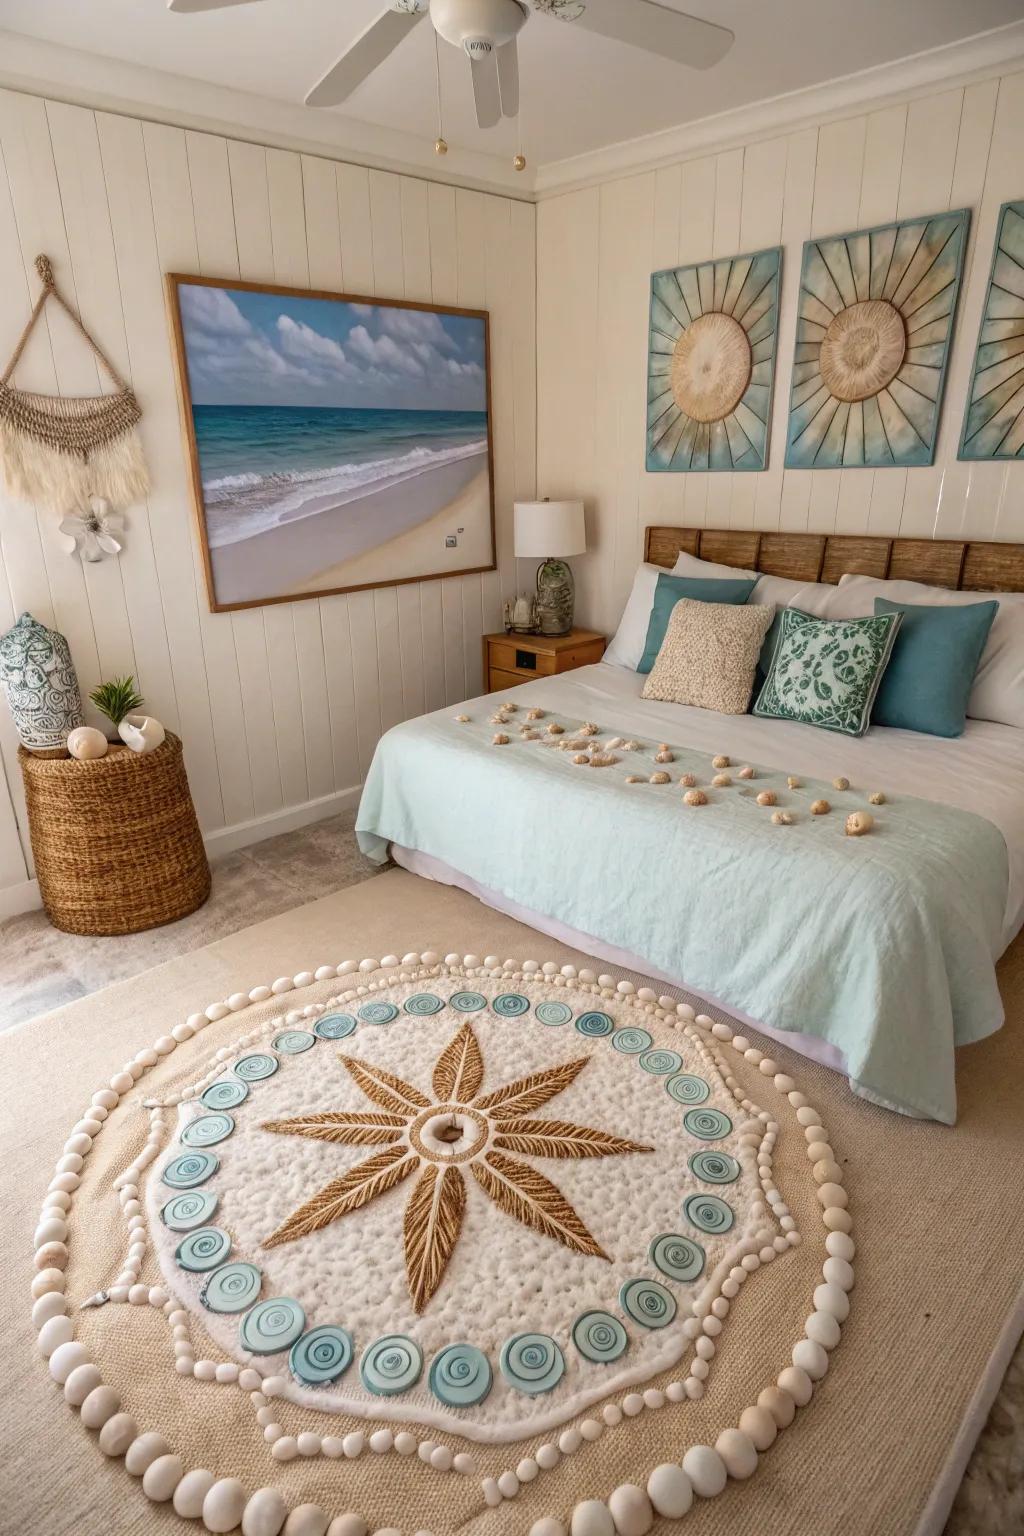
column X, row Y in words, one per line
column 223, row 1503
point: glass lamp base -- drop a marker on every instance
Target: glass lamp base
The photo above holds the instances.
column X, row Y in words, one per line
column 556, row 597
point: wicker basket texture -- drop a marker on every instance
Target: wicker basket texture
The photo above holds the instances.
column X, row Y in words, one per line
column 116, row 842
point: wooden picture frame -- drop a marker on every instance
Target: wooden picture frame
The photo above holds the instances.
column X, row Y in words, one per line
column 295, row 480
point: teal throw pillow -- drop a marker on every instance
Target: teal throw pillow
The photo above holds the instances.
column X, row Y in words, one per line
column 826, row 672
column 668, row 592
column 929, row 677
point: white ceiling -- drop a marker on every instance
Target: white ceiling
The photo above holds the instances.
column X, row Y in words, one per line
column 580, row 92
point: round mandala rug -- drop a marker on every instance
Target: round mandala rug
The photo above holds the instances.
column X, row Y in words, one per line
column 510, row 1205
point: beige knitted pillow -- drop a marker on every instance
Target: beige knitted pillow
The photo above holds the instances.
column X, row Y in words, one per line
column 709, row 655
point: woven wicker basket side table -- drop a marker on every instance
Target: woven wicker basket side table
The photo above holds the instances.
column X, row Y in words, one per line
column 116, row 842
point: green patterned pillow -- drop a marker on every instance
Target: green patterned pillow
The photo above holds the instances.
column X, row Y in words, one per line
column 826, row 672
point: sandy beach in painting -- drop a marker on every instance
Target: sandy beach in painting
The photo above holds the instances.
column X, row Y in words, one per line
column 364, row 535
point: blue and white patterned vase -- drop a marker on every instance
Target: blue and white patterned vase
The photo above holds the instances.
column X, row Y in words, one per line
column 39, row 679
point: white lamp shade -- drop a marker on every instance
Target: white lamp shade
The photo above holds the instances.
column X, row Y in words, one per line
column 544, row 528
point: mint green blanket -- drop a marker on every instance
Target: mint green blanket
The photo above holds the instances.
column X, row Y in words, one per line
column 882, row 945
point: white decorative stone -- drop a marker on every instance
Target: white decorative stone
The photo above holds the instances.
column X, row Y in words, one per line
column 810, row 1357
column 549, row 1526
column 823, row 1328
column 548, row 1456
column 779, row 1403
column 65, row 1358
column 631, row 1510
column 838, row 1272
column 224, row 1505
column 670, row 1491
column 706, row 1470
column 833, row 1299
column 47, row 1281
column 83, row 1380
column 759, row 1426
column 738, row 1452
column 144, row 1450
column 591, row 1518
column 51, row 1304
column 100, row 1405
column 161, row 1478
column 264, row 1514
column 797, row 1383
column 190, row 1493
column 348, row 1525
column 57, row 1331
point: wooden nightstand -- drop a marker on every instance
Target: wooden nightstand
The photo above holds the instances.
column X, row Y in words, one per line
column 513, row 659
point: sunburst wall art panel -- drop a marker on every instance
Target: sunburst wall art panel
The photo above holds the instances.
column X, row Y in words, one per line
column 873, row 332
column 994, row 420
column 711, row 363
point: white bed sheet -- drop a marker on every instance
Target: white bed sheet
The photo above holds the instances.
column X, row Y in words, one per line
column 981, row 771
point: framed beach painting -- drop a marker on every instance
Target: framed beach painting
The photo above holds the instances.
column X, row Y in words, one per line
column 335, row 442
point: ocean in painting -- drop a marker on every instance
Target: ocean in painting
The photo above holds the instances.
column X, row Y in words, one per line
column 263, row 466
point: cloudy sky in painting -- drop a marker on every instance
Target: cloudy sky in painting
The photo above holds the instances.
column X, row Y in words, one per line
column 264, row 349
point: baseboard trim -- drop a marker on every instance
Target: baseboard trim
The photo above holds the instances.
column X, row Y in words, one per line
column 25, row 897
column 288, row 819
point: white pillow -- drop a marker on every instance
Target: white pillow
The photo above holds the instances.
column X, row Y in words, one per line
column 689, row 565
column 627, row 647
column 998, row 692
column 811, row 596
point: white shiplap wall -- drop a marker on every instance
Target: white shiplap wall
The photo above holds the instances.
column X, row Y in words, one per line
column 281, row 706
column 597, row 247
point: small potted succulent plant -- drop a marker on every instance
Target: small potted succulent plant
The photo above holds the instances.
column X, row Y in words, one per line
column 120, row 701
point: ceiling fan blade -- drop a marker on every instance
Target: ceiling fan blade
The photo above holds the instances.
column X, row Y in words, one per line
column 190, row 7
column 358, row 61
column 647, row 25
column 508, row 78
column 485, row 90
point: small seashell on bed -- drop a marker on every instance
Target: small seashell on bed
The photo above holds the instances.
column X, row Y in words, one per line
column 794, row 782
column 859, row 822
column 535, row 713
column 633, row 778
column 510, row 705
column 554, row 729
column 602, row 759
column 746, row 772
column 695, row 797
column 588, row 728
column 500, row 739
column 528, row 735
column 664, row 756
column 660, row 778
column 782, row 818
column 581, row 757
column 840, row 783
column 721, row 781
column 688, row 779
column 499, row 718
column 462, row 719
column 616, row 741
column 767, row 797
column 632, row 746
column 721, row 761
column 820, row 808
column 877, row 798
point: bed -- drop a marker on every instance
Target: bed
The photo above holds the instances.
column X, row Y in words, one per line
column 875, row 955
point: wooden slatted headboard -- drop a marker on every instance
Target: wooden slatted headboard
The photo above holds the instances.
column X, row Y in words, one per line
column 970, row 565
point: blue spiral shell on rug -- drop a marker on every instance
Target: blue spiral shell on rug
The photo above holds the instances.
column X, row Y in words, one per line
column 390, row 1365
column 272, row 1325
column 647, row 1302
column 467, row 1002
column 553, row 1012
column 460, row 1376
column 661, row 1062
column 190, row 1169
column 227, row 1094
column 334, row 1026
column 321, row 1355
column 708, row 1124
column 231, row 1288
column 594, row 1024
column 202, row 1250
column 422, row 1003
column 255, row 1066
column 714, row 1167
column 631, row 1041
column 189, row 1210
column 208, row 1130
column 532, row 1363
column 678, row 1257
column 600, row 1337
column 511, row 1005
column 292, row 1042
column 708, row 1213
column 687, row 1089
column 378, row 1013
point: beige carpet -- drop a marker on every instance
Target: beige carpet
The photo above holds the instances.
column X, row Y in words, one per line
column 939, row 1219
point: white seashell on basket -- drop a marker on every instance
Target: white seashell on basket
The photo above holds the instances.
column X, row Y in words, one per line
column 859, row 822
column 85, row 742
column 141, row 733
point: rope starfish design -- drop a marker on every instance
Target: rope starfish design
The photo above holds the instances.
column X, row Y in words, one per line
column 460, row 1127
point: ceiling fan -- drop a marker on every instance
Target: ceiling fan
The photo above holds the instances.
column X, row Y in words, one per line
column 486, row 30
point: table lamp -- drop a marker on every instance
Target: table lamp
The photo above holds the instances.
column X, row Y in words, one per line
column 551, row 531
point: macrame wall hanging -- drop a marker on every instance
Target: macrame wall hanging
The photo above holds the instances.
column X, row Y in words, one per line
column 79, row 455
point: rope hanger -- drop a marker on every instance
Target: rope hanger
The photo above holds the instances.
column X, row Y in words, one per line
column 50, row 290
